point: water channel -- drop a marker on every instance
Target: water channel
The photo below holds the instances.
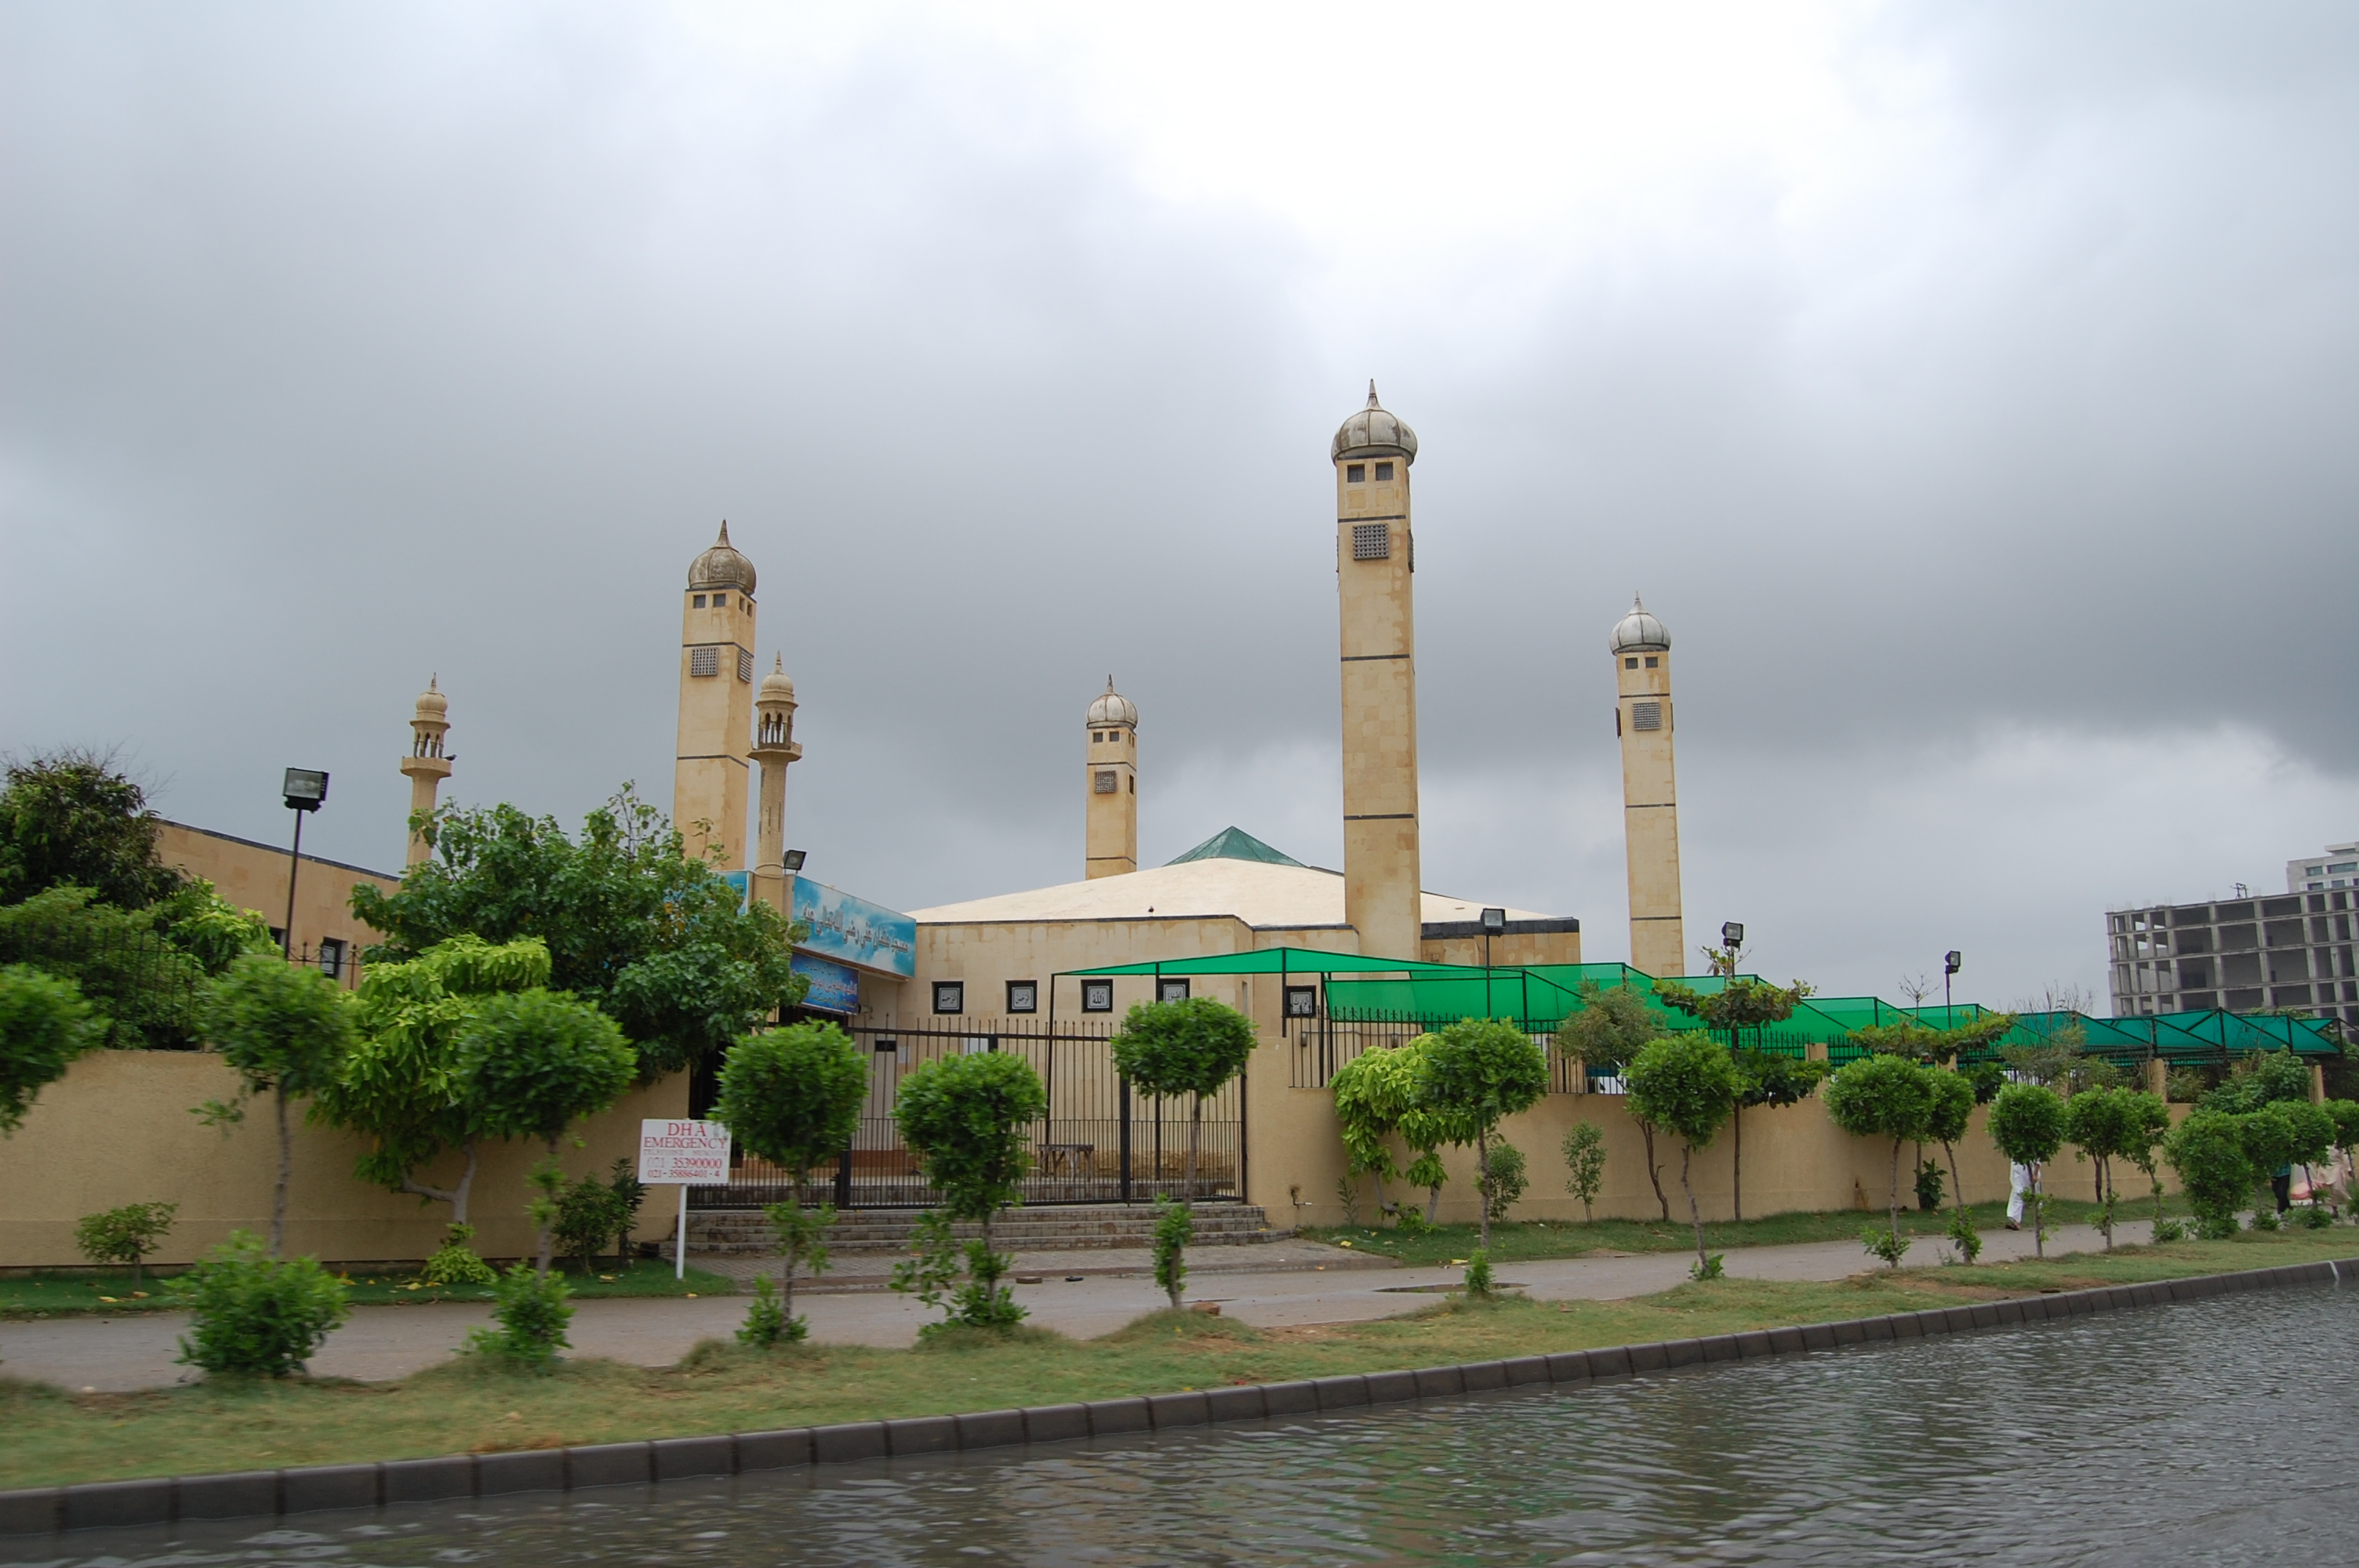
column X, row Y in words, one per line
column 2222, row 1432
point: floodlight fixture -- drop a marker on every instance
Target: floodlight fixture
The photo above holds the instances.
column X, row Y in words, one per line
column 794, row 859
column 1731, row 933
column 1952, row 962
column 305, row 789
column 1495, row 921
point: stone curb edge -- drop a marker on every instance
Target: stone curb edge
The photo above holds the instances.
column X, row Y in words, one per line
column 247, row 1494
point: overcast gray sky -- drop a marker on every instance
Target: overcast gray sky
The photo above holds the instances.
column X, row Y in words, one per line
column 1971, row 390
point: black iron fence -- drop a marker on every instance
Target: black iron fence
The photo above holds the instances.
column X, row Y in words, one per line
column 1100, row 1142
column 1324, row 1044
column 147, row 989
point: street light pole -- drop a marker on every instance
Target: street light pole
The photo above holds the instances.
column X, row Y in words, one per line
column 305, row 790
column 1495, row 921
column 1952, row 961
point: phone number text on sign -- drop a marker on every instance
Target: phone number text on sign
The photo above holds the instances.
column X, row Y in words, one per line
column 695, row 1153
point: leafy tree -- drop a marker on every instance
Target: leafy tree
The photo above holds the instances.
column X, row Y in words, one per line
column 1764, row 1078
column 1950, row 1106
column 284, row 1029
column 71, row 818
column 1584, row 1164
column 623, row 1181
column 1687, row 1084
column 2207, row 1150
column 1381, row 1093
column 1884, row 1097
column 1609, row 1027
column 144, row 988
column 537, row 1061
column 2107, row 1125
column 969, row 1120
column 2060, row 1062
column 793, row 1096
column 405, row 1085
column 586, row 1219
column 1504, row 1187
column 658, row 942
column 1481, row 1071
column 2262, row 1077
column 1740, row 1004
column 1192, row 1047
column 44, row 1025
column 125, row 1235
column 2027, row 1122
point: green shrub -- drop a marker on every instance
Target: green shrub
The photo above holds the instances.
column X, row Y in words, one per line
column 2207, row 1150
column 1708, row 1267
column 455, row 1264
column 125, row 1235
column 767, row 1321
column 589, row 1213
column 2265, row 1216
column 2170, row 1231
column 255, row 1313
column 1888, row 1244
column 2314, row 1215
column 1175, row 1226
column 1584, row 1164
column 1964, row 1235
column 1929, row 1184
column 1480, row 1283
column 532, row 1313
column 969, row 1121
column 45, row 1023
column 1502, row 1186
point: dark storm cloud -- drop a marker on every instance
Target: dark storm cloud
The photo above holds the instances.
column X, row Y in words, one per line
column 341, row 349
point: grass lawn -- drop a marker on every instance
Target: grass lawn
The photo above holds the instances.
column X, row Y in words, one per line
column 1515, row 1241
column 48, row 1436
column 84, row 1292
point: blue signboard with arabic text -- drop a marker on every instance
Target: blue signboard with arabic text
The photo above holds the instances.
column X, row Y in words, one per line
column 853, row 931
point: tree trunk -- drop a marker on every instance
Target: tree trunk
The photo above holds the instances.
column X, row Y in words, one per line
column 1896, row 1201
column 1654, row 1172
column 1737, row 1161
column 1482, row 1183
column 455, row 1197
column 1695, row 1216
column 285, row 1174
column 1957, row 1187
column 542, row 1241
column 2038, row 1215
column 1432, row 1203
column 1195, row 1129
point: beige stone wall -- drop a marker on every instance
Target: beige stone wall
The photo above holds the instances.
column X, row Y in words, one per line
column 1111, row 817
column 117, row 1129
column 1794, row 1160
column 1650, row 817
column 1381, row 870
column 712, row 778
column 1513, row 949
column 254, row 876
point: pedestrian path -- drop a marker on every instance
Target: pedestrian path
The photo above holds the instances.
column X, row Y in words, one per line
column 385, row 1342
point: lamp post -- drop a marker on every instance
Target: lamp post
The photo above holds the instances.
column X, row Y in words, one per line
column 306, row 790
column 1494, row 924
column 1731, row 937
column 1952, row 962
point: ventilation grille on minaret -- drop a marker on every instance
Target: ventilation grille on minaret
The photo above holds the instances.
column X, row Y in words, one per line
column 1646, row 716
column 704, row 661
column 1371, row 541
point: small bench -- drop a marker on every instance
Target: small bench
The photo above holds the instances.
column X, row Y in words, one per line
column 1073, row 1157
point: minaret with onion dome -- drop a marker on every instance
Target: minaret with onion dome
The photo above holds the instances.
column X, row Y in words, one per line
column 775, row 747
column 426, row 767
column 716, row 707
column 1110, row 844
column 1375, row 559
column 1650, row 813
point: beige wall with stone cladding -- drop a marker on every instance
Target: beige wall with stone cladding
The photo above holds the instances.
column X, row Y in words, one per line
column 117, row 1129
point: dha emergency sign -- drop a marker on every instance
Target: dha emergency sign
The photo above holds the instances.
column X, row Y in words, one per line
column 693, row 1153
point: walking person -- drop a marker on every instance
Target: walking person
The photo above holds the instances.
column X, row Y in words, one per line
column 2020, row 1179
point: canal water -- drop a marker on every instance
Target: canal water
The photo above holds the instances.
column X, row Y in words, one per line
column 2223, row 1432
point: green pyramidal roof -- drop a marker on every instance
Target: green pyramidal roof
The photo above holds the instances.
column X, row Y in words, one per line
column 1234, row 844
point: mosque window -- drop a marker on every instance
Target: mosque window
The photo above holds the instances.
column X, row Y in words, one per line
column 698, row 601
column 704, row 661
column 949, row 996
column 1171, row 989
column 1355, row 473
column 745, row 666
column 1022, row 996
column 1384, row 472
column 1651, row 661
column 1097, row 996
column 1646, row 716
column 1302, row 1001
column 1371, row 541
column 1630, row 664
column 1105, row 783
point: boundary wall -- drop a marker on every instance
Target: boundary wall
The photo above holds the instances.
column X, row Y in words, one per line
column 118, row 1129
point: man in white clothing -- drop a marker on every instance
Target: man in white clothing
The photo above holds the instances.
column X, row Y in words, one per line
column 2018, row 1181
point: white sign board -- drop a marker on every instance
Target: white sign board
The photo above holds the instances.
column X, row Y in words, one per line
column 689, row 1152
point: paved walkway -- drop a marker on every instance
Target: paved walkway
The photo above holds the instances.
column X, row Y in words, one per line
column 126, row 1353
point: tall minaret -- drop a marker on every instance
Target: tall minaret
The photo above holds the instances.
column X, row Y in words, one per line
column 774, row 746
column 1374, row 557
column 426, row 765
column 716, row 707
column 1650, row 813
column 1112, row 842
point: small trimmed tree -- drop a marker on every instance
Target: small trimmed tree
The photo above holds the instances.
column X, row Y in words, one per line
column 2107, row 1125
column 44, row 1025
column 2027, row 1122
column 2207, row 1150
column 1372, row 1094
column 1192, row 1047
column 1686, row 1085
column 1480, row 1071
column 969, row 1120
column 1951, row 1106
column 1584, row 1166
column 283, row 1028
column 538, row 1060
column 125, row 1235
column 793, row 1097
column 1883, row 1096
column 1610, row 1026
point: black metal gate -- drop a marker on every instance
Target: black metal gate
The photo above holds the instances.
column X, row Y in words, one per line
column 1099, row 1143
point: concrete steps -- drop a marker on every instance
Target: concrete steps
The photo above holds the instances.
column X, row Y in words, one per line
column 1047, row 1228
